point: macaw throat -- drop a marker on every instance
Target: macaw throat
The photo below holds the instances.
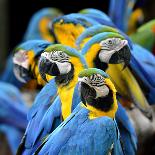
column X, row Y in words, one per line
column 88, row 95
column 66, row 78
column 98, row 64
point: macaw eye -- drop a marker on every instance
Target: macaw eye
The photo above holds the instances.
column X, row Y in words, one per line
column 110, row 42
column 61, row 54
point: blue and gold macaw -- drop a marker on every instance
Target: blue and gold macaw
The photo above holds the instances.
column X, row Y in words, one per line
column 123, row 84
column 70, row 27
column 38, row 28
column 13, row 115
column 25, row 62
column 64, row 63
column 120, row 11
column 143, row 71
column 91, row 128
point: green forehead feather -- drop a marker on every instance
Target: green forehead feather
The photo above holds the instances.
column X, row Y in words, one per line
column 91, row 71
column 68, row 50
column 98, row 38
column 59, row 47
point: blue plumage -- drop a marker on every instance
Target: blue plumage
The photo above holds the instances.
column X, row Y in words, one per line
column 97, row 15
column 13, row 115
column 79, row 135
column 33, row 31
column 120, row 11
column 13, row 110
column 127, row 132
column 143, row 65
column 35, row 115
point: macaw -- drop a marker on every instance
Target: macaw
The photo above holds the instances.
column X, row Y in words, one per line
column 142, row 70
column 13, row 115
column 145, row 36
column 25, row 62
column 120, row 11
column 91, row 128
column 64, row 63
column 70, row 27
column 38, row 28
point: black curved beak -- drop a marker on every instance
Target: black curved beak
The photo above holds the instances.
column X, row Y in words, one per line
column 21, row 73
column 47, row 67
column 121, row 56
column 86, row 92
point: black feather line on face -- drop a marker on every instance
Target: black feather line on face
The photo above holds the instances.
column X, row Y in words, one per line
column 98, row 64
column 66, row 78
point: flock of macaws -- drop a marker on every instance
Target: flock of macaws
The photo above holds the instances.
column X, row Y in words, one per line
column 91, row 87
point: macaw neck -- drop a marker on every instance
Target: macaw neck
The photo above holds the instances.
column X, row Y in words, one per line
column 93, row 58
column 106, row 106
column 36, row 74
column 66, row 92
column 64, row 80
column 44, row 31
column 100, row 65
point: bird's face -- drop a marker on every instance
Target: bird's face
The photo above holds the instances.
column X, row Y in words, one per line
column 54, row 63
column 114, row 51
column 22, row 60
column 92, row 87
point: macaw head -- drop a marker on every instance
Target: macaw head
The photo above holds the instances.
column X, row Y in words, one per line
column 61, row 61
column 96, row 89
column 97, row 15
column 39, row 25
column 106, row 48
column 25, row 59
column 96, row 29
column 67, row 28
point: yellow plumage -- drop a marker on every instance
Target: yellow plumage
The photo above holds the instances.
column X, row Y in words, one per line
column 67, row 33
column 127, row 85
column 44, row 32
column 66, row 92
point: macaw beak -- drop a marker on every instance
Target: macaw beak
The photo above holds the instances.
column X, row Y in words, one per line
column 21, row 73
column 123, row 55
column 47, row 67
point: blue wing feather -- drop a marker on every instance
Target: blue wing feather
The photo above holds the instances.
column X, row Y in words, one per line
column 78, row 135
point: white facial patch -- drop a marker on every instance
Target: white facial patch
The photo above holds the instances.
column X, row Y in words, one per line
column 64, row 67
column 101, row 91
column 21, row 58
column 109, row 47
column 17, row 74
column 60, row 58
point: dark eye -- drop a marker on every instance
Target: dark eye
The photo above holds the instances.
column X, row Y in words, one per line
column 61, row 54
column 110, row 42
